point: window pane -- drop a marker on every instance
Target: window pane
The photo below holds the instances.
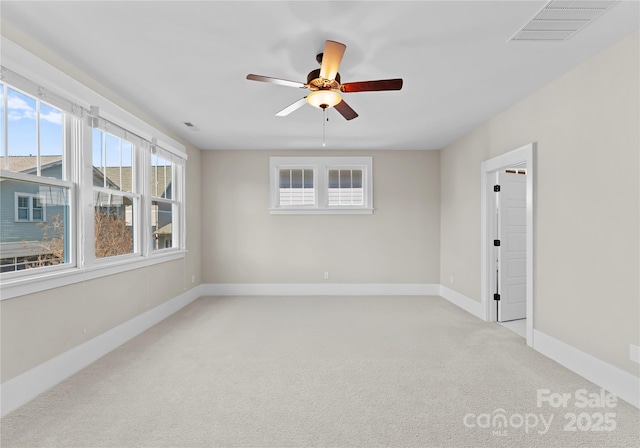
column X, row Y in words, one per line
column 112, row 162
column 356, row 176
column 162, row 225
column 308, row 178
column 2, row 159
column 333, row 179
column 35, row 244
column 285, row 178
column 113, row 220
column 296, row 187
column 37, row 210
column 97, row 157
column 345, row 187
column 126, row 167
column 51, row 141
column 161, row 170
column 296, row 178
column 345, row 178
column 21, row 132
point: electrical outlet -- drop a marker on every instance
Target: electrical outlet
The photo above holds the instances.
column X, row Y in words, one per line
column 451, row 279
column 326, row 275
column 193, row 279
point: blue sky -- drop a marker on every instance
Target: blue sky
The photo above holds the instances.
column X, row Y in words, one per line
column 22, row 117
column 21, row 126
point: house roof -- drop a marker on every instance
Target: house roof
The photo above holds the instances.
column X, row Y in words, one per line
column 119, row 177
column 164, row 230
column 25, row 164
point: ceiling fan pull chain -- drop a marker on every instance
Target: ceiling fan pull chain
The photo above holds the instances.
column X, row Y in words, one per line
column 324, row 123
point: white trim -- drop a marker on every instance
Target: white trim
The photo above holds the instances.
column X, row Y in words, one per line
column 320, row 167
column 25, row 387
column 523, row 155
column 321, row 211
column 68, row 275
column 620, row 382
column 320, row 289
column 469, row 305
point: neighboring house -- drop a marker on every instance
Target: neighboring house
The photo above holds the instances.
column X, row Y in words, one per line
column 26, row 208
column 161, row 215
column 26, row 211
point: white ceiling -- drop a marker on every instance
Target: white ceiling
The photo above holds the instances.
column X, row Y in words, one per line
column 187, row 61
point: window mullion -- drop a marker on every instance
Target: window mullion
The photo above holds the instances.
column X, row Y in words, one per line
column 38, row 160
column 5, row 126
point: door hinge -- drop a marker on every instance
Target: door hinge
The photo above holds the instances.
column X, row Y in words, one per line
column 496, row 297
column 496, row 242
column 496, row 188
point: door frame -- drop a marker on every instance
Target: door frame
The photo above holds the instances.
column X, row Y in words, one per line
column 523, row 156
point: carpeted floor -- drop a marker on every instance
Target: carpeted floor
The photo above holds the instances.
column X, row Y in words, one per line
column 321, row 372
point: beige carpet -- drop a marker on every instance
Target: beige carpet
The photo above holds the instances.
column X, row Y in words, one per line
column 319, row 372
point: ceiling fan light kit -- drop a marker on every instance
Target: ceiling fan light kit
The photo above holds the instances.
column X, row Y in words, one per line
column 324, row 99
column 325, row 86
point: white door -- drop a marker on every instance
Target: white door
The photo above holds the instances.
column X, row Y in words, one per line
column 512, row 252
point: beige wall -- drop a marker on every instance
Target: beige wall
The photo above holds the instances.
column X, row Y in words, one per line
column 243, row 243
column 586, row 125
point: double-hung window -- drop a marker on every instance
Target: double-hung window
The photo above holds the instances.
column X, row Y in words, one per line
column 166, row 204
column 80, row 192
column 35, row 187
column 321, row 185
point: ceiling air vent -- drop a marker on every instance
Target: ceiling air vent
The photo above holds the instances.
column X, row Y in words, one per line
column 562, row 19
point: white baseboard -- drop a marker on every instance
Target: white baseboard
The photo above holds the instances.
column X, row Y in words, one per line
column 25, row 387
column 469, row 305
column 622, row 383
column 320, row 289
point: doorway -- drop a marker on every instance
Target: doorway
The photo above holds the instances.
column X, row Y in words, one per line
column 507, row 239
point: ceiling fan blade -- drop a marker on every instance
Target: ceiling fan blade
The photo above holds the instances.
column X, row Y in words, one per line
column 278, row 81
column 371, row 86
column 331, row 59
column 295, row 106
column 345, row 110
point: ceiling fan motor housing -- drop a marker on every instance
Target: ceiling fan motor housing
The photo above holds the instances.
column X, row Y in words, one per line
column 315, row 82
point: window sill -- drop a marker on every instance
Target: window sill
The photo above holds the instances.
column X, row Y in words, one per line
column 23, row 285
column 321, row 211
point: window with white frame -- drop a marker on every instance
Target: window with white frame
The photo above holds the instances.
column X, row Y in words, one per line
column 34, row 185
column 30, row 208
column 114, row 196
column 296, row 187
column 43, row 140
column 166, row 206
column 319, row 185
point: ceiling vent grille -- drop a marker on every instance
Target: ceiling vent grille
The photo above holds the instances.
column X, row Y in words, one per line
column 562, row 19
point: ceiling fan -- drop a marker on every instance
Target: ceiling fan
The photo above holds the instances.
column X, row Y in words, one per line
column 324, row 84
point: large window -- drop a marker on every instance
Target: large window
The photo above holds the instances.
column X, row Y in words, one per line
column 34, row 187
column 78, row 191
column 321, row 185
column 115, row 201
column 164, row 204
